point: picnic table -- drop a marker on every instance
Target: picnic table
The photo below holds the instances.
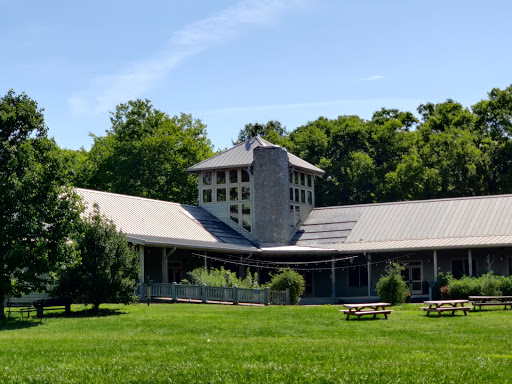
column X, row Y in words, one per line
column 484, row 301
column 366, row 309
column 440, row 306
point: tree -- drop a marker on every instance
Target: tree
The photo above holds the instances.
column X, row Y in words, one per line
column 392, row 288
column 107, row 270
column 38, row 210
column 273, row 131
column 146, row 153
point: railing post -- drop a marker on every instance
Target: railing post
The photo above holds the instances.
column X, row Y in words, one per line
column 266, row 296
column 203, row 293
column 235, row 295
column 173, row 291
column 287, row 299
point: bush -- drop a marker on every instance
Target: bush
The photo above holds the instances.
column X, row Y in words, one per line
column 391, row 287
column 464, row 287
column 490, row 285
column 288, row 278
column 221, row 278
column 506, row 285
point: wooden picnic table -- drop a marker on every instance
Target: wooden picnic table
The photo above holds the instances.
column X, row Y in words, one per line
column 366, row 309
column 446, row 306
column 484, row 301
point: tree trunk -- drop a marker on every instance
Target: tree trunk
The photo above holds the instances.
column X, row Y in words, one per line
column 2, row 309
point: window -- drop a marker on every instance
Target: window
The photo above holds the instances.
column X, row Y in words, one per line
column 358, row 276
column 302, row 179
column 291, row 194
column 233, row 213
column 292, row 220
column 296, row 195
column 207, row 196
column 291, row 177
column 310, row 181
column 245, row 176
column 296, row 177
column 246, row 193
column 310, row 197
column 233, row 176
column 233, row 193
column 207, row 178
column 302, row 196
column 246, row 217
column 297, row 214
column 221, row 177
column 221, row 194
column 460, row 267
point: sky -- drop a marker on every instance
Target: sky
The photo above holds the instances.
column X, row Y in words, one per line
column 234, row 62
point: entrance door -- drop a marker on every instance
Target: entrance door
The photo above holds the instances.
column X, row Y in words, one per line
column 174, row 272
column 413, row 275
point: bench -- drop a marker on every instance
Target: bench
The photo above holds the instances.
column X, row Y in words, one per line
column 440, row 306
column 384, row 312
column 483, row 301
column 23, row 309
column 42, row 305
column 446, row 309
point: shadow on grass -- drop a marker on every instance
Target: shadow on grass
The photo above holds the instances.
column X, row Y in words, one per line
column 13, row 324
column 84, row 313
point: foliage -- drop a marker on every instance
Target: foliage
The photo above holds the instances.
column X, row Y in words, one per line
column 38, row 210
column 489, row 284
column 288, row 278
column 272, row 131
column 108, row 268
column 145, row 153
column 464, row 287
column 391, row 287
column 221, row 278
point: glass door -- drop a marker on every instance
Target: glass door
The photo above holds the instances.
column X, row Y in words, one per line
column 413, row 275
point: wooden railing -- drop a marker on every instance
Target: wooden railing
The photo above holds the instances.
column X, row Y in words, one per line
column 205, row 293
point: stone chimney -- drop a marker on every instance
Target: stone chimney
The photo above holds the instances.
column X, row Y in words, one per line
column 271, row 196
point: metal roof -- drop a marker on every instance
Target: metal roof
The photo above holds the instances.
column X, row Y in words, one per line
column 241, row 156
column 427, row 224
column 160, row 222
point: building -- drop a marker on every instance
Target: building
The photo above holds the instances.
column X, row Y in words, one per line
column 257, row 207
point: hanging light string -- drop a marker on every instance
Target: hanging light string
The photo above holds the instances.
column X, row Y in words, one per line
column 275, row 265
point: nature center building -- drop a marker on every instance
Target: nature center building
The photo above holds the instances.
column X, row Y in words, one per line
column 257, row 209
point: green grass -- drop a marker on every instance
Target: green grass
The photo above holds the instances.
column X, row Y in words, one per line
column 186, row 343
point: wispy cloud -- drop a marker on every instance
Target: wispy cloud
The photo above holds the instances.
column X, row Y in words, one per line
column 372, row 78
column 104, row 92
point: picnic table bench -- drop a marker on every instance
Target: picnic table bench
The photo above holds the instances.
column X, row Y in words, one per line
column 440, row 306
column 51, row 305
column 366, row 309
column 484, row 301
column 23, row 309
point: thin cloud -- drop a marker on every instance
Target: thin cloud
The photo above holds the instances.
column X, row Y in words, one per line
column 372, row 78
column 104, row 92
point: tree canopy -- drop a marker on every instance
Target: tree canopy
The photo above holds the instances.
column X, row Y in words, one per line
column 38, row 209
column 145, row 153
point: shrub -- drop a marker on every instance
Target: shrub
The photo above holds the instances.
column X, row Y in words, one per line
column 464, row 287
column 441, row 288
column 221, row 278
column 288, row 278
column 490, row 284
column 506, row 285
column 391, row 287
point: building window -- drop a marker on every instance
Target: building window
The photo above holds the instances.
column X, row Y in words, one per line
column 207, row 178
column 221, row 194
column 296, row 177
column 246, row 193
column 233, row 213
column 302, row 179
column 303, row 196
column 291, row 177
column 291, row 194
column 292, row 220
column 245, row 176
column 246, row 217
column 297, row 214
column 310, row 181
column 233, row 176
column 310, row 197
column 358, row 276
column 221, row 177
column 460, row 267
column 296, row 195
column 233, row 194
column 207, row 196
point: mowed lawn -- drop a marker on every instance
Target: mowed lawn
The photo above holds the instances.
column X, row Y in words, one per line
column 189, row 343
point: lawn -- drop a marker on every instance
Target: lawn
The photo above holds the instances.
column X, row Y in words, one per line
column 188, row 343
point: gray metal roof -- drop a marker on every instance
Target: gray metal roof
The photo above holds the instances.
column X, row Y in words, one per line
column 241, row 156
column 427, row 224
column 160, row 222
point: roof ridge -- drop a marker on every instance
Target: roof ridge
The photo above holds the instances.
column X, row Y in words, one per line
column 414, row 201
column 137, row 197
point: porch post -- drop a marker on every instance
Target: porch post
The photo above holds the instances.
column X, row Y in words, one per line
column 205, row 262
column 434, row 258
column 141, row 262
column 165, row 272
column 369, row 275
column 333, row 279
column 470, row 263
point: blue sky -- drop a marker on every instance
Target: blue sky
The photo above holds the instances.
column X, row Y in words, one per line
column 229, row 63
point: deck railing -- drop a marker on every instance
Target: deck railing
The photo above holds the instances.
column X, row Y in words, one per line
column 205, row 293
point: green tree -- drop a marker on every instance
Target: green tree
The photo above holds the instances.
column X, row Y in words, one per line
column 38, row 210
column 272, row 131
column 107, row 270
column 391, row 287
column 146, row 153
column 288, row 278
